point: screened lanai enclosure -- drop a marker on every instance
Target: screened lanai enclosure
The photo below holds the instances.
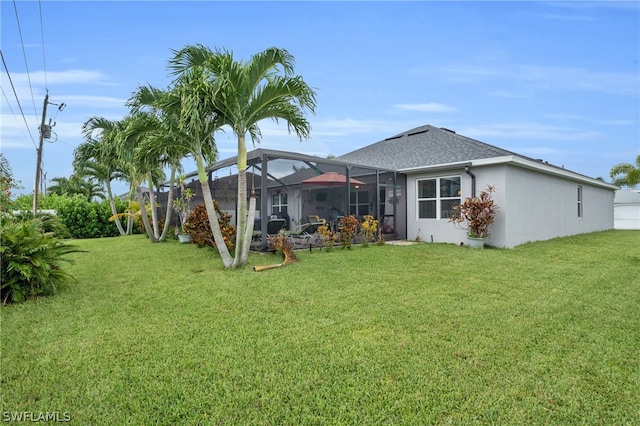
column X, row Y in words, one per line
column 294, row 190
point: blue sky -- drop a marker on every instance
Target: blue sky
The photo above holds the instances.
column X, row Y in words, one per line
column 556, row 81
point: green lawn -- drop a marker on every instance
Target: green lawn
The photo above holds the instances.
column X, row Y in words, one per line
column 547, row 333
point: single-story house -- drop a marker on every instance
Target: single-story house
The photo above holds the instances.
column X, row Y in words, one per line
column 626, row 209
column 411, row 181
column 537, row 200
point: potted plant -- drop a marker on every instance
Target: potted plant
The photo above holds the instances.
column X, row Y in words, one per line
column 182, row 206
column 475, row 215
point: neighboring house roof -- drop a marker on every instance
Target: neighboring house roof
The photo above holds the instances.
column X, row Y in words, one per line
column 630, row 196
column 428, row 147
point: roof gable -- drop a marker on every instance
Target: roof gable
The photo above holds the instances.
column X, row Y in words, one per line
column 421, row 147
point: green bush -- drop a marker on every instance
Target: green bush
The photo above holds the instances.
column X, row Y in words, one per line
column 51, row 224
column 45, row 202
column 86, row 219
column 30, row 260
column 198, row 227
column 83, row 219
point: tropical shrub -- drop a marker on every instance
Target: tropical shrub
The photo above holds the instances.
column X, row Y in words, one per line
column 368, row 229
column 198, row 227
column 45, row 201
column 476, row 214
column 139, row 228
column 31, row 261
column 328, row 238
column 348, row 226
column 87, row 219
column 7, row 183
column 51, row 224
column 23, row 202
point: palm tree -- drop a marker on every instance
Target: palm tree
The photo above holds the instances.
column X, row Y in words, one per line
column 119, row 147
column 110, row 133
column 165, row 143
column 74, row 184
column 97, row 158
column 186, row 111
column 244, row 94
column 626, row 174
column 136, row 139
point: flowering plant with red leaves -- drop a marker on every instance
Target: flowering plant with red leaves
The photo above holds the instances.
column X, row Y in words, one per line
column 476, row 214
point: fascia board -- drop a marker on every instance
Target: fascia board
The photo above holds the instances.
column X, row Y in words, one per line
column 543, row 168
column 435, row 167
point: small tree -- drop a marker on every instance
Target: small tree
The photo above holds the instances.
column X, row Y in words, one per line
column 476, row 214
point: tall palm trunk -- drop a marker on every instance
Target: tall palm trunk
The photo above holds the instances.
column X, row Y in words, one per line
column 167, row 217
column 241, row 217
column 145, row 218
column 132, row 196
column 154, row 210
column 244, row 257
column 227, row 260
column 114, row 209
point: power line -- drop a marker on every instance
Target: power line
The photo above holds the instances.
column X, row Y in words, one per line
column 18, row 100
column 44, row 60
column 8, row 103
column 24, row 54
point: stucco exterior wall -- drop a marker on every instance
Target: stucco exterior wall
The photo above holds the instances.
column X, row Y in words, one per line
column 542, row 206
column 433, row 230
column 532, row 206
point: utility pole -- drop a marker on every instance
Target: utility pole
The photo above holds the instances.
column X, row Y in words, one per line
column 39, row 161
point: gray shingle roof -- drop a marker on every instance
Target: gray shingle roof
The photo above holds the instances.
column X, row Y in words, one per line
column 421, row 147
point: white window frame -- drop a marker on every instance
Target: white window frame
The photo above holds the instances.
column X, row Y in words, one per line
column 438, row 199
column 278, row 203
column 580, row 200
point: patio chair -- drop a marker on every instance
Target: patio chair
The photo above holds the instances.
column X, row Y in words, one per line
column 275, row 225
column 300, row 240
column 313, row 218
column 305, row 236
column 314, row 222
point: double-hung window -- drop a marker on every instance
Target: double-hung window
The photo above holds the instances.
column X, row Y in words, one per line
column 279, row 204
column 437, row 196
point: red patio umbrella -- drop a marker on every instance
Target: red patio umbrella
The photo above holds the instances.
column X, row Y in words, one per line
column 330, row 179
